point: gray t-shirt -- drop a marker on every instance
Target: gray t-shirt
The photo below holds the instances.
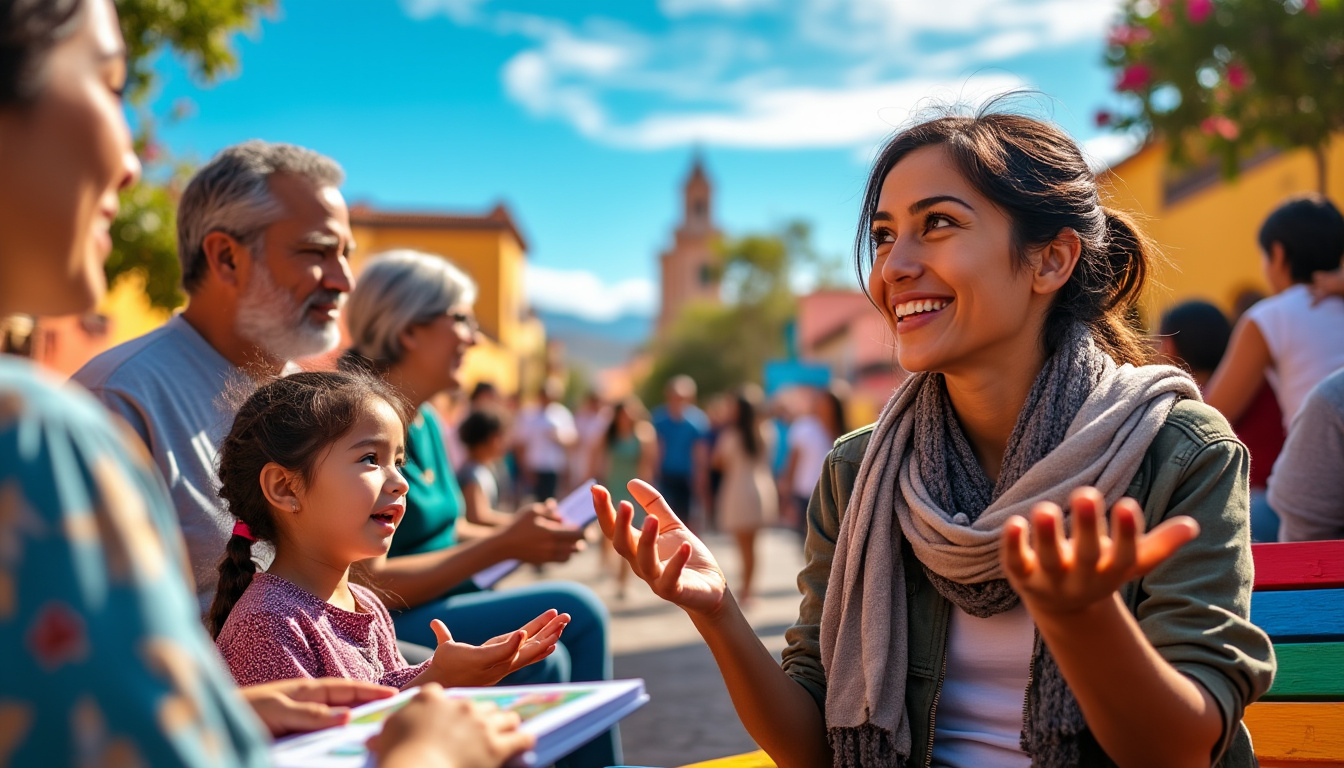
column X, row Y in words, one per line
column 1306, row 488
column 180, row 396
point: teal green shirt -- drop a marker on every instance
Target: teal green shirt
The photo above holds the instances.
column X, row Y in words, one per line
column 103, row 659
column 434, row 501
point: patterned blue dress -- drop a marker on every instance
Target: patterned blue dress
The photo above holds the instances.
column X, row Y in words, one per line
column 103, row 659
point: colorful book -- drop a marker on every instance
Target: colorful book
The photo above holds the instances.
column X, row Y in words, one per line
column 563, row 717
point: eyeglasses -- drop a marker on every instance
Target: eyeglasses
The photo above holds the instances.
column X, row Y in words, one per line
column 465, row 320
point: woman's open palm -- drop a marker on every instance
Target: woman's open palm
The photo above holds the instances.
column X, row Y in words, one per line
column 664, row 553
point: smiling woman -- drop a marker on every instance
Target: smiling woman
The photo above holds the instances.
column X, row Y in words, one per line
column 951, row 614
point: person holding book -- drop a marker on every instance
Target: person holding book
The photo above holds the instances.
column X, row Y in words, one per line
column 313, row 465
column 953, row 614
column 106, row 661
column 410, row 321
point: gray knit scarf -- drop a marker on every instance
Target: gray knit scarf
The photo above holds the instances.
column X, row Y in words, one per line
column 1086, row 421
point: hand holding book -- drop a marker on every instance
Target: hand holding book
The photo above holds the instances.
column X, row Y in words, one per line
column 434, row 730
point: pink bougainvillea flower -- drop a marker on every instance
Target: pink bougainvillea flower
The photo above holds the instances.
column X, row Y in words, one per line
column 1238, row 76
column 1312, row 7
column 1103, row 118
column 1218, row 125
column 1198, row 11
column 1134, row 78
column 1125, row 35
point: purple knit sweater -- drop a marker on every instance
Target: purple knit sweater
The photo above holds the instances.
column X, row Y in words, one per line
column 279, row 631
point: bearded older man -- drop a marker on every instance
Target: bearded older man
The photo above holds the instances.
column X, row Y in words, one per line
column 263, row 238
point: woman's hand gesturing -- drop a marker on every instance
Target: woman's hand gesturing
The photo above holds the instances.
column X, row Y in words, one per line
column 664, row 553
column 1057, row 575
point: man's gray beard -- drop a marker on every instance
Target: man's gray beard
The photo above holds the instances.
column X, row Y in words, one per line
column 269, row 317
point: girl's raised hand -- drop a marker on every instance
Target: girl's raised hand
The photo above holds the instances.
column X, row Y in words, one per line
column 674, row 562
column 1057, row 575
column 463, row 664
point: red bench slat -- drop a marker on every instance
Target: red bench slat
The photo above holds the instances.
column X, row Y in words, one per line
column 1299, row 565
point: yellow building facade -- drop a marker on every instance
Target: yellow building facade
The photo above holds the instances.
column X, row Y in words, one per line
column 490, row 248
column 1206, row 225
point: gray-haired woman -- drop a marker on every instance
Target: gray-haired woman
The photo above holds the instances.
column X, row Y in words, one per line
column 410, row 319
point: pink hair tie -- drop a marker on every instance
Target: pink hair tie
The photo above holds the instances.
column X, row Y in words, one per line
column 240, row 529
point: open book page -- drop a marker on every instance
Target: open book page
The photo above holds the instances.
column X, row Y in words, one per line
column 563, row 717
column 576, row 509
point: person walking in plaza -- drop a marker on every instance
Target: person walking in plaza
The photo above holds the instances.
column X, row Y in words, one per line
column 106, row 661
column 628, row 449
column 810, row 437
column 547, row 436
column 263, row 239
column 1289, row 339
column 683, row 448
column 411, row 320
column 951, row 614
column 747, row 500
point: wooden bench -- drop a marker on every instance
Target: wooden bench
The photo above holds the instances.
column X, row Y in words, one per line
column 1299, row 601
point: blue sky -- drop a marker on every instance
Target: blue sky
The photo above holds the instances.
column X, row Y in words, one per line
column 582, row 116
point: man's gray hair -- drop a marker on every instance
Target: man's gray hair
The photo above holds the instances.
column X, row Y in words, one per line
column 232, row 194
column 398, row 289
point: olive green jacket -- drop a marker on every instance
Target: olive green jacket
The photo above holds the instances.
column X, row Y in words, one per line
column 1194, row 608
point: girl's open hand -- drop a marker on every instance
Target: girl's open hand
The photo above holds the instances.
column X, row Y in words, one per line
column 674, row 562
column 1057, row 575
column 463, row 664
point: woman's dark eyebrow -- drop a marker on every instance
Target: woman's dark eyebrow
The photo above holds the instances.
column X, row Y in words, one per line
column 929, row 202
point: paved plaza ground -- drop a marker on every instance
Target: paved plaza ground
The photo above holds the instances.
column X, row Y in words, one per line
column 689, row 716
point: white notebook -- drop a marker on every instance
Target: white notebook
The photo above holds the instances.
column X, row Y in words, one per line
column 563, row 717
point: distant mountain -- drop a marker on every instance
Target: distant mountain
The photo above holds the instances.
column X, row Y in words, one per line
column 596, row 344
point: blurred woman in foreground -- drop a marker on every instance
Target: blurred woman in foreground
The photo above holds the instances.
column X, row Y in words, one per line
column 105, row 659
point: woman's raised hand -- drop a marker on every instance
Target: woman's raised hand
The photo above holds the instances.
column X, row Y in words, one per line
column 463, row 664
column 1057, row 575
column 664, row 553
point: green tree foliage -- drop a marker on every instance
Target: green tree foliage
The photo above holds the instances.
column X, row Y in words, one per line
column 1225, row 78
column 144, row 234
column 725, row 345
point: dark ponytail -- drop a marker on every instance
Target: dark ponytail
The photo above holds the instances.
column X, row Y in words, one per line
column 289, row 421
column 1035, row 173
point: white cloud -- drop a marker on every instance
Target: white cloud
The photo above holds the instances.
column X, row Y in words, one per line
column 1108, row 149
column 678, row 8
column 583, row 293
column 460, row 11
column 769, row 74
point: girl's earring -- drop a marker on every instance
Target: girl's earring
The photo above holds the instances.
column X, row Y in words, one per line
column 293, row 506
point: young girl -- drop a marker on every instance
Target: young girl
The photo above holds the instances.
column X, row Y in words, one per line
column 312, row 465
column 950, row 616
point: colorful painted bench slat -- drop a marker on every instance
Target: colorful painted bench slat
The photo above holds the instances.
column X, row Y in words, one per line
column 1308, row 672
column 1305, row 565
column 1300, row 616
column 1299, row 601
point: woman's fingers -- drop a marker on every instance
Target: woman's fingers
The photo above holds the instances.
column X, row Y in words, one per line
column 623, row 538
column 1016, row 556
column 1046, row 538
column 647, row 564
column 666, row 584
column 338, row 691
column 653, row 502
column 606, row 514
column 1163, row 541
column 1086, row 504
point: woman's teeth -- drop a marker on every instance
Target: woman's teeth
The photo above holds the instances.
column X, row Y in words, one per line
column 908, row 308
